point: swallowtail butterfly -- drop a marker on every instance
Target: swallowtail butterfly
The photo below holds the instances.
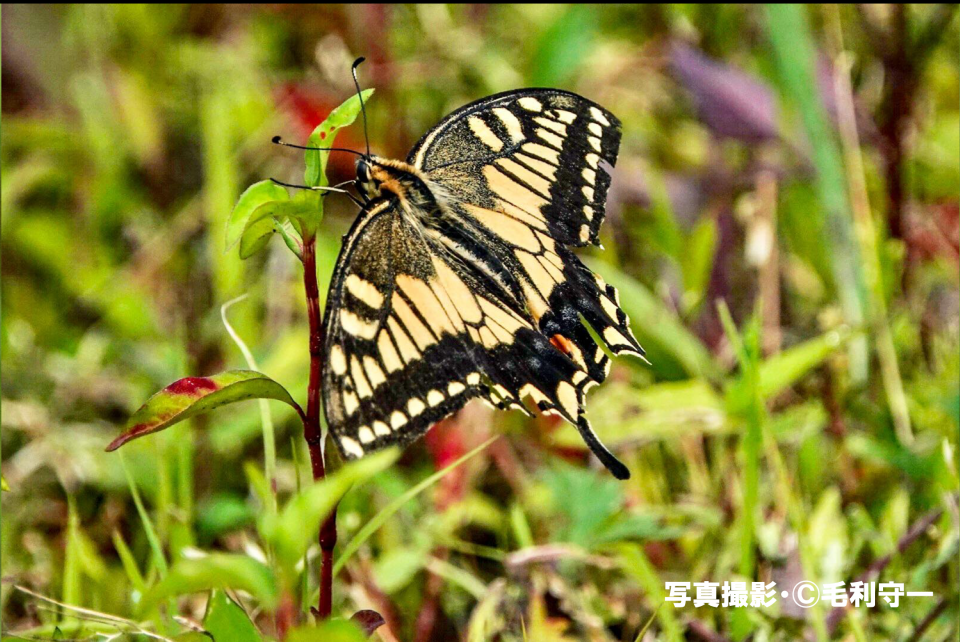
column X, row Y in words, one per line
column 458, row 279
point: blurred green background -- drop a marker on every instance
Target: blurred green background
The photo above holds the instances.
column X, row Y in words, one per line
column 782, row 226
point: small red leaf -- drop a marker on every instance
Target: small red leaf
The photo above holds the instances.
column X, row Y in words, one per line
column 368, row 620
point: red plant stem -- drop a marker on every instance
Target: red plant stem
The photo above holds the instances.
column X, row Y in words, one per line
column 311, row 424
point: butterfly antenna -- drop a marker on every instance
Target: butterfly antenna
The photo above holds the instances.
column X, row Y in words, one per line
column 279, row 141
column 363, row 109
column 318, row 188
column 324, row 188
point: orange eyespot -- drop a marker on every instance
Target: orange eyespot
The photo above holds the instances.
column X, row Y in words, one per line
column 562, row 344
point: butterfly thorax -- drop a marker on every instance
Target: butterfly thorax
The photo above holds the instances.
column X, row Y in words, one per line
column 386, row 178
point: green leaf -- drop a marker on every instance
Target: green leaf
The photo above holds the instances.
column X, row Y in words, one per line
column 329, row 631
column 324, row 134
column 217, row 571
column 226, row 620
column 193, row 395
column 262, row 224
column 563, row 46
column 784, row 369
column 256, row 195
column 293, row 529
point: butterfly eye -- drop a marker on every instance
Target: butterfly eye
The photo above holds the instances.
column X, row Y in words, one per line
column 363, row 171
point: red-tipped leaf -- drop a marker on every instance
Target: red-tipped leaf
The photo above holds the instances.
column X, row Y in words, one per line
column 191, row 396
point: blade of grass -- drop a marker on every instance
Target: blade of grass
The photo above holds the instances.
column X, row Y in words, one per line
column 378, row 520
column 156, row 548
column 636, row 564
column 754, row 415
column 129, row 563
column 795, row 57
column 759, row 434
column 71, row 563
column 866, row 234
column 266, row 418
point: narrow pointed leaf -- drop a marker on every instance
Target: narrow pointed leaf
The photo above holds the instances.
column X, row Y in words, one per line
column 784, row 369
column 324, row 135
column 293, row 529
column 251, row 199
column 217, row 571
column 193, row 395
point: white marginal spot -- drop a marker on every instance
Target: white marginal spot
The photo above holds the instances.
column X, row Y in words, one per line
column 589, row 175
column 588, row 192
column 364, row 290
column 435, row 397
column 365, row 434
column 397, row 419
column 484, row 133
column 594, row 142
column 593, row 160
column 567, row 395
column 599, row 117
column 455, row 388
column 588, row 212
column 530, row 390
column 595, row 129
column 473, row 378
column 511, row 122
column 415, row 407
column 578, row 376
column 338, row 361
column 530, row 104
column 584, row 233
column 351, row 447
column 381, row 428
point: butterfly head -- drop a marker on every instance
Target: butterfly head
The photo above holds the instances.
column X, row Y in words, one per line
column 377, row 176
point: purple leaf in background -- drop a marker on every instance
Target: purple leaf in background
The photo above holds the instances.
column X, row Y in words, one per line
column 730, row 102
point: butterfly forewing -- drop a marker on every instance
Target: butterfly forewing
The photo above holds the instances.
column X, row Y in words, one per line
column 538, row 155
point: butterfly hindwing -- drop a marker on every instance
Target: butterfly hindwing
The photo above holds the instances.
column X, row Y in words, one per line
column 413, row 333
